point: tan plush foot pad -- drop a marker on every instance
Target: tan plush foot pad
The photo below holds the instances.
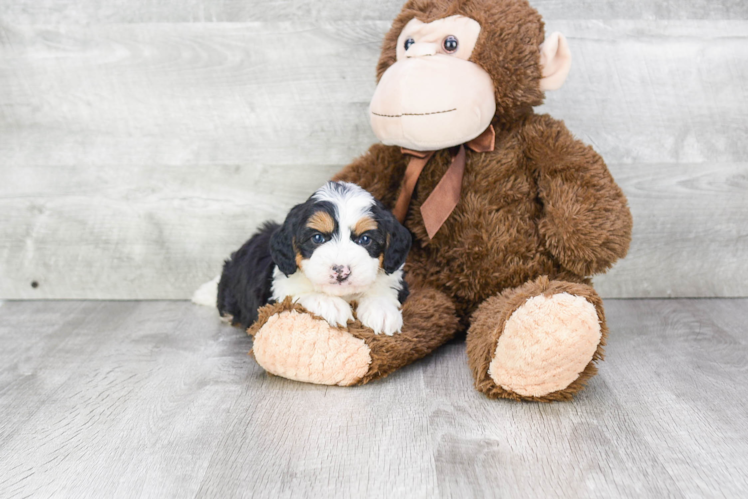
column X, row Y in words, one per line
column 538, row 342
column 546, row 344
column 299, row 347
column 291, row 343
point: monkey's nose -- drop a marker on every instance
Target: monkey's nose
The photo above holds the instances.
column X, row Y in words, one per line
column 421, row 49
column 341, row 273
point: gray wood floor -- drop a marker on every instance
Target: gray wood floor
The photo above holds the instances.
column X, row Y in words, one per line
column 159, row 399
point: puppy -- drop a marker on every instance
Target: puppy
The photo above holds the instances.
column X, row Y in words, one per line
column 340, row 246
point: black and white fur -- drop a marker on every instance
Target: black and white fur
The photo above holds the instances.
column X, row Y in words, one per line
column 324, row 270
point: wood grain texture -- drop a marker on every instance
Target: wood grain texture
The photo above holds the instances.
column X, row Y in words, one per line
column 143, row 232
column 690, row 235
column 186, row 94
column 202, row 11
column 96, row 392
column 137, row 156
column 133, row 231
column 159, row 399
column 653, row 92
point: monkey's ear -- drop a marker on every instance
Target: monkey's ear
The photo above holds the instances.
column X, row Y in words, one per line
column 282, row 243
column 555, row 61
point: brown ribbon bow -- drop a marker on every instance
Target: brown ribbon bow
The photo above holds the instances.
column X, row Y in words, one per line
column 444, row 198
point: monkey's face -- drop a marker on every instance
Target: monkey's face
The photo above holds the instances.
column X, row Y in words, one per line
column 433, row 97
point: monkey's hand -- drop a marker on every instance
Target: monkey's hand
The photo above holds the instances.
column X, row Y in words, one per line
column 586, row 222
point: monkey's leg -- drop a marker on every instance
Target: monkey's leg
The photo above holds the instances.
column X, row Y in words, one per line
column 292, row 343
column 537, row 342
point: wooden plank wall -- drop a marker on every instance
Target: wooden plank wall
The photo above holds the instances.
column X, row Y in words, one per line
column 142, row 141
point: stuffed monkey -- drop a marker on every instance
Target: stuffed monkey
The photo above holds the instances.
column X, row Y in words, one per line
column 510, row 214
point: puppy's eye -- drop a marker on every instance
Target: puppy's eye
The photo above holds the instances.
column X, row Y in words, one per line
column 450, row 44
column 408, row 43
column 364, row 241
column 318, row 238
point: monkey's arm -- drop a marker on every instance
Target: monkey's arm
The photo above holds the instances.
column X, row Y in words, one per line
column 586, row 222
column 380, row 171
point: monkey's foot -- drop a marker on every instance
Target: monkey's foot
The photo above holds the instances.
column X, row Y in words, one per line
column 296, row 345
column 537, row 342
column 292, row 343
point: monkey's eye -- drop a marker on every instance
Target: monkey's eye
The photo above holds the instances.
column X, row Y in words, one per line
column 450, row 44
column 318, row 238
column 408, row 43
column 364, row 241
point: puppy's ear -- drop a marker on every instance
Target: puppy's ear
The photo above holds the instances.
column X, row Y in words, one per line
column 398, row 240
column 282, row 242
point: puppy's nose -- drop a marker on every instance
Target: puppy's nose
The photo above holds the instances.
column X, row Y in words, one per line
column 341, row 273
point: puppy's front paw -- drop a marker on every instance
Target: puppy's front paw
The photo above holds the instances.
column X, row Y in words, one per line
column 382, row 316
column 334, row 310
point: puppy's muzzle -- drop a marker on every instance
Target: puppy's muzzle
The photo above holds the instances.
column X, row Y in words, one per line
column 340, row 273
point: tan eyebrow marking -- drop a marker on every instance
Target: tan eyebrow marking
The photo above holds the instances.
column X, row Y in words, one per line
column 322, row 222
column 299, row 258
column 365, row 224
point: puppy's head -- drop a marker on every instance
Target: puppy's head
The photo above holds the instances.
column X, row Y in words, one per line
column 341, row 238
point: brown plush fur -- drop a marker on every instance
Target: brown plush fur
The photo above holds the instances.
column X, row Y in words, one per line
column 488, row 322
column 429, row 320
column 541, row 204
